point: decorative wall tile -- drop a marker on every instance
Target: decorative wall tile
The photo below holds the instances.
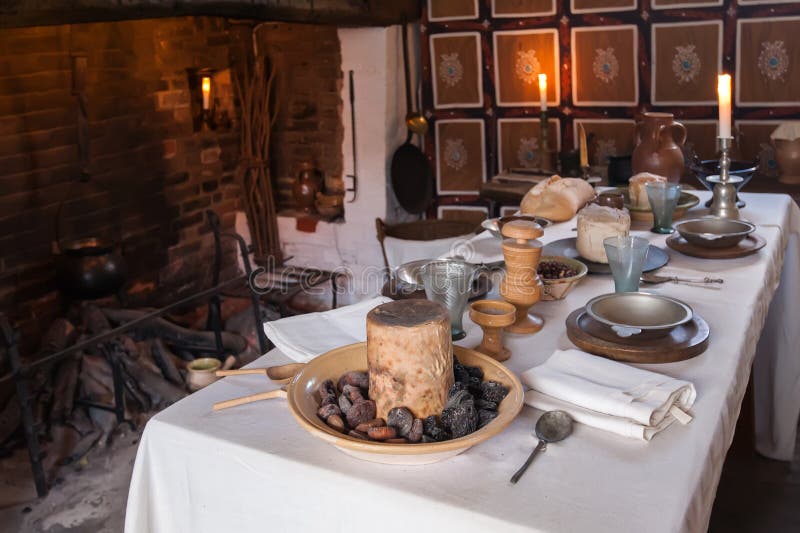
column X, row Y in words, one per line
column 601, row 6
column 605, row 66
column 456, row 64
column 606, row 138
column 686, row 58
column 519, row 58
column 443, row 10
column 522, row 8
column 519, row 141
column 752, row 137
column 460, row 156
column 768, row 62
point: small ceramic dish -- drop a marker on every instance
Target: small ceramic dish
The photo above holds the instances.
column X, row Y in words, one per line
column 714, row 232
column 557, row 289
column 495, row 225
column 638, row 313
column 202, row 372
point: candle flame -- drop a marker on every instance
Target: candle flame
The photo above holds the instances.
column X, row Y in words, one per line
column 542, row 83
column 206, row 84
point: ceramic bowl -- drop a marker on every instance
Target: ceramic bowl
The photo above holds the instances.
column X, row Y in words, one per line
column 714, row 232
column 495, row 225
column 304, row 402
column 201, row 372
column 639, row 314
column 557, row 289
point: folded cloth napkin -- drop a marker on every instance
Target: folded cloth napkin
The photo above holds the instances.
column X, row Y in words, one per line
column 303, row 337
column 608, row 395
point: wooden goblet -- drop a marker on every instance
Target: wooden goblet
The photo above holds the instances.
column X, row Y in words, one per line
column 521, row 285
column 493, row 316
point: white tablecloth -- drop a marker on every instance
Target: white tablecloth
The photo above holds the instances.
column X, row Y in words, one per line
column 252, row 468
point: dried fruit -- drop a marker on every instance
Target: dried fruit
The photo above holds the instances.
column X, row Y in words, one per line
column 493, row 391
column 416, row 431
column 354, row 378
column 474, row 386
column 457, row 386
column 460, row 420
column 358, row 434
column 327, row 393
column 460, row 373
column 336, row 422
column 352, row 393
column 429, row 424
column 427, row 440
column 474, row 371
column 401, row 419
column 361, row 412
column 485, row 416
column 370, row 424
column 401, row 440
column 345, row 404
column 459, row 398
column 328, row 410
column 382, row 433
column 480, row 403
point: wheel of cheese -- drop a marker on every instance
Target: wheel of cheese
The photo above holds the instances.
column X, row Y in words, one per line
column 409, row 357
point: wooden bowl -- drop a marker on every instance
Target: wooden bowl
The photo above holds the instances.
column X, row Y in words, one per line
column 303, row 404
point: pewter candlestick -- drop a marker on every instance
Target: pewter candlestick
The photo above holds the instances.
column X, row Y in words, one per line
column 723, row 203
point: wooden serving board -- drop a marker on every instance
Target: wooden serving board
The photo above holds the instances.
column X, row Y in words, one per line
column 749, row 245
column 683, row 342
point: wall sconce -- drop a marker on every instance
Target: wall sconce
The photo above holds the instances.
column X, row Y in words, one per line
column 203, row 104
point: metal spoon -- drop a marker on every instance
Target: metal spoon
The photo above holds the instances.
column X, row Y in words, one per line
column 552, row 426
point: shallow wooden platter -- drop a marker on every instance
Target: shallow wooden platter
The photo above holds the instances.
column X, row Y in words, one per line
column 684, row 342
column 303, row 404
column 749, row 245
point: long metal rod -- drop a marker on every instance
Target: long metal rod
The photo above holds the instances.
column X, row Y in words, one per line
column 119, row 330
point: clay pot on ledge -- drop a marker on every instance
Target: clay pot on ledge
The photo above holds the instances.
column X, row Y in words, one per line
column 306, row 187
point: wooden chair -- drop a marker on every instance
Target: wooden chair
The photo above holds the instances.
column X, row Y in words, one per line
column 421, row 230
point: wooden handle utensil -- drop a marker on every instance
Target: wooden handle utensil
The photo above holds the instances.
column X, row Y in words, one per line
column 277, row 393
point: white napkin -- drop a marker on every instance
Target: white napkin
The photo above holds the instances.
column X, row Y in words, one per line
column 303, row 337
column 483, row 248
column 608, row 395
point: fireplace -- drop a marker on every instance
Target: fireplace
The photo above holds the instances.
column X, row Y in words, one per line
column 107, row 132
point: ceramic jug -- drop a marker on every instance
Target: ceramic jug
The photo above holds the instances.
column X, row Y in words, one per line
column 657, row 149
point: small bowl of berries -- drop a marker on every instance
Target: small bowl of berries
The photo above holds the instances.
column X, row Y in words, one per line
column 559, row 275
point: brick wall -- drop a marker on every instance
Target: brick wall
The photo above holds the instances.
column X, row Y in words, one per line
column 309, row 83
column 152, row 177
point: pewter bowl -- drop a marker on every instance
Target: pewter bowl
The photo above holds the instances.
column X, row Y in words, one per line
column 714, row 232
column 494, row 225
column 638, row 313
column 411, row 272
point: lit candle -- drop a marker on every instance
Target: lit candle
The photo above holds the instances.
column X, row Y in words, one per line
column 724, row 92
column 206, row 92
column 543, row 91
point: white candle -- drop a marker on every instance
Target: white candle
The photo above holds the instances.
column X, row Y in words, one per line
column 724, row 92
column 543, row 91
column 206, row 87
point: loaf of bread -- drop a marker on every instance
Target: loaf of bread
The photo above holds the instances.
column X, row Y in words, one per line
column 637, row 191
column 595, row 223
column 409, row 357
column 556, row 198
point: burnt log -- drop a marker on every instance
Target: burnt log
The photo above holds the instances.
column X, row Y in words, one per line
column 165, row 360
column 173, row 334
column 65, row 384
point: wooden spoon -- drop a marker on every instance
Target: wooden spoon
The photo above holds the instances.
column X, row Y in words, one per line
column 279, row 374
column 277, row 393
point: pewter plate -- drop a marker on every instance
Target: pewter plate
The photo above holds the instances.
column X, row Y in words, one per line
column 656, row 257
column 650, row 315
column 714, row 232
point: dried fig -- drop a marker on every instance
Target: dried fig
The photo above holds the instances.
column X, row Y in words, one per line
column 382, row 433
column 361, row 412
column 416, row 431
column 401, row 419
column 336, row 422
column 327, row 410
column 378, row 422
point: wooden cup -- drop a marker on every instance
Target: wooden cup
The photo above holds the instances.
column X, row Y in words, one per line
column 493, row 316
column 521, row 286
